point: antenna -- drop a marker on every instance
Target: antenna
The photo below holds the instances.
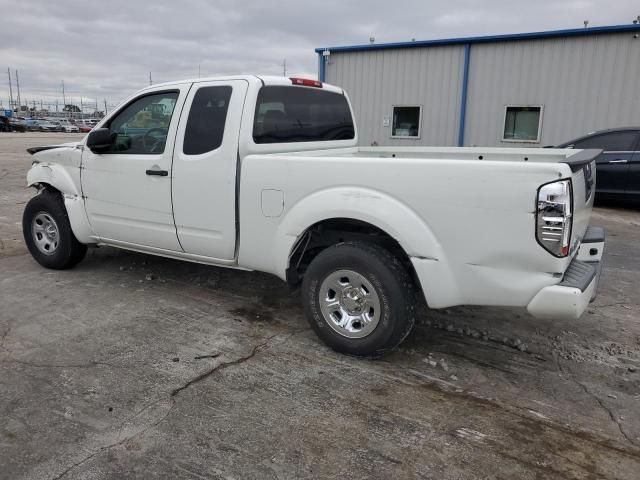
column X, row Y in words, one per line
column 64, row 98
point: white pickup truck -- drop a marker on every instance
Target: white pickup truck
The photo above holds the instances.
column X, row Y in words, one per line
column 264, row 173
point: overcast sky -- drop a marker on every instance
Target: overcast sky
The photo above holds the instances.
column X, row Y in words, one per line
column 107, row 49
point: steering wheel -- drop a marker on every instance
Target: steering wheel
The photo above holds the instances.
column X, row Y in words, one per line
column 147, row 138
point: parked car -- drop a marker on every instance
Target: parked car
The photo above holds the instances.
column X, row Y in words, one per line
column 264, row 173
column 618, row 166
column 68, row 127
column 84, row 126
column 17, row 124
column 53, row 125
column 4, row 124
column 34, row 125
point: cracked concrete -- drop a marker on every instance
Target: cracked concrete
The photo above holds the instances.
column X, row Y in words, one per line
column 211, row 373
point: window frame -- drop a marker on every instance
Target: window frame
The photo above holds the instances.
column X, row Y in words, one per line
column 504, row 123
column 407, row 137
column 122, row 108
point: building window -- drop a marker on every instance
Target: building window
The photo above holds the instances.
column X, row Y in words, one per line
column 522, row 123
column 406, row 122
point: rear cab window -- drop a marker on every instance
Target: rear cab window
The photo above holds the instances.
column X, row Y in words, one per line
column 290, row 114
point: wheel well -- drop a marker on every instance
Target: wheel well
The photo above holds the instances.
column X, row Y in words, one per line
column 337, row 230
column 40, row 186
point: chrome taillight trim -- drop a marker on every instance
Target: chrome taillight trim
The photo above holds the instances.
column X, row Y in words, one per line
column 554, row 217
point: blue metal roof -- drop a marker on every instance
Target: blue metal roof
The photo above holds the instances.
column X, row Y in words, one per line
column 574, row 32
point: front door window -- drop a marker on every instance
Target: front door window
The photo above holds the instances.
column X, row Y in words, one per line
column 141, row 128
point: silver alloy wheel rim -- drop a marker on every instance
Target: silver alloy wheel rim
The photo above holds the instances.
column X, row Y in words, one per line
column 349, row 304
column 46, row 234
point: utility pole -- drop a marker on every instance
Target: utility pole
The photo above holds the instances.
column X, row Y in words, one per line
column 284, row 68
column 10, row 89
column 198, row 70
column 81, row 108
column 105, row 106
column 150, row 82
column 18, row 86
column 64, row 99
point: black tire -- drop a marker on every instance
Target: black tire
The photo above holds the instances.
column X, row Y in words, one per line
column 392, row 284
column 69, row 251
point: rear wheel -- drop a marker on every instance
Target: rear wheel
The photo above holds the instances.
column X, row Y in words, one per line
column 359, row 299
column 47, row 232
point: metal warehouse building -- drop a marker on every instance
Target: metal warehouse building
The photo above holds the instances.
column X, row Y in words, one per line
column 534, row 89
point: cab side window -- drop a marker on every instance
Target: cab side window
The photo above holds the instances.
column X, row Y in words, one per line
column 207, row 117
column 142, row 127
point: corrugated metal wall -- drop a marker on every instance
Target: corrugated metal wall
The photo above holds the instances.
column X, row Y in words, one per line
column 584, row 83
column 377, row 80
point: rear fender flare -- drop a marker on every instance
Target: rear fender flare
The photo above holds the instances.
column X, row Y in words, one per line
column 376, row 208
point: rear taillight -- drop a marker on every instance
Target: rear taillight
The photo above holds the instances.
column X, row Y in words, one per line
column 306, row 82
column 554, row 217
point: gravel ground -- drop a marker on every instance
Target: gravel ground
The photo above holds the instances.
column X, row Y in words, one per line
column 142, row 367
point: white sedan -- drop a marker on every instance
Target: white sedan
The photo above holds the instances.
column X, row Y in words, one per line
column 68, row 127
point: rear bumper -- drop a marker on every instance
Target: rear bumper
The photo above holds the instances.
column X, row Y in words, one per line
column 569, row 298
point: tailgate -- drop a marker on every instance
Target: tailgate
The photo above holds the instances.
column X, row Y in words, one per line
column 583, row 180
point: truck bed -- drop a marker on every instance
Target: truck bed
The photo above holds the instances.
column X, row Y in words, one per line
column 454, row 205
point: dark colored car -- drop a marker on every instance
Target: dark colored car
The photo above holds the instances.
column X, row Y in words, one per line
column 618, row 166
column 17, row 124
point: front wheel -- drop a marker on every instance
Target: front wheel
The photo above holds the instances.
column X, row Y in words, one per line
column 47, row 232
column 359, row 299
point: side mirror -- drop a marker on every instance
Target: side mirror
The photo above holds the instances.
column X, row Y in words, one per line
column 99, row 140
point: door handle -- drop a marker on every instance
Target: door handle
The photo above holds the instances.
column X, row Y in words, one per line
column 618, row 161
column 159, row 173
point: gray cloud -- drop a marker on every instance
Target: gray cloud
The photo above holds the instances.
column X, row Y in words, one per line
column 107, row 49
